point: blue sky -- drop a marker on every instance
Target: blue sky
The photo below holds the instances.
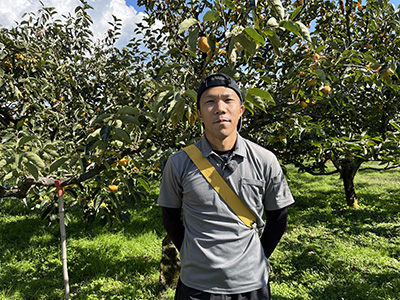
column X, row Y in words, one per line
column 134, row 4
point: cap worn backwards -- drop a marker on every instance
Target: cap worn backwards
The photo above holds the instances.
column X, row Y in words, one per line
column 218, row 79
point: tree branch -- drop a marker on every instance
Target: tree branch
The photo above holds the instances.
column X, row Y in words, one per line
column 309, row 171
column 348, row 8
column 380, row 169
column 28, row 182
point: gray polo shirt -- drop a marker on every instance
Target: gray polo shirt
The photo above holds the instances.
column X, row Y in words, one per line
column 220, row 254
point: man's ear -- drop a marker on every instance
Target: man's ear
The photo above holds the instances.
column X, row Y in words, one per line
column 242, row 108
column 199, row 115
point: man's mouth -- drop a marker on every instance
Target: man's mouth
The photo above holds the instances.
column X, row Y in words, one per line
column 222, row 121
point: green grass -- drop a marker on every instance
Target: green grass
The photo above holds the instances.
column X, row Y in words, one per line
column 121, row 262
column 328, row 252
column 333, row 252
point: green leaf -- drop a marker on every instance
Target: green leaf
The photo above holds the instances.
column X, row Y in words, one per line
column 52, row 152
column 192, row 40
column 25, row 139
column 261, row 93
column 129, row 119
column 275, row 41
column 8, row 176
column 178, row 109
column 211, row 15
column 166, row 88
column 258, row 38
column 320, row 48
column 371, row 59
column 33, row 170
column 93, row 144
column 144, row 184
column 55, row 165
column 256, row 101
column 171, row 105
column 295, row 12
column 128, row 110
column 277, row 8
column 248, row 45
column 304, row 31
column 3, row 162
column 7, row 137
column 320, row 74
column 395, row 125
column 229, row 4
column 102, row 117
column 129, row 184
column 168, row 67
column 291, row 26
column 95, row 133
column 121, row 135
column 105, row 132
column 192, row 95
column 35, row 159
column 186, row 24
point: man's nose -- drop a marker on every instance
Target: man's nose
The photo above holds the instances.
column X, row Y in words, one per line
column 220, row 107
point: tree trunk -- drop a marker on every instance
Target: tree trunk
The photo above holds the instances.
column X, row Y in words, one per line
column 348, row 169
column 170, row 265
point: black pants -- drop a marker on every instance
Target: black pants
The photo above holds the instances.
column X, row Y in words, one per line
column 184, row 292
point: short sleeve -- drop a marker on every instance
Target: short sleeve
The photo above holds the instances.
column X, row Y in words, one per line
column 171, row 188
column 277, row 193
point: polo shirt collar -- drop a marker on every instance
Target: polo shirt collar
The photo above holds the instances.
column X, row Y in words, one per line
column 206, row 149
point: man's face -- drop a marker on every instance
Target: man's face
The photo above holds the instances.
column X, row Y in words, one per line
column 220, row 111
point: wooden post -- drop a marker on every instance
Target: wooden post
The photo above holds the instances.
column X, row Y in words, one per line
column 60, row 192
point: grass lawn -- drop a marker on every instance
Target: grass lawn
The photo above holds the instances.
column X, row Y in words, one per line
column 329, row 251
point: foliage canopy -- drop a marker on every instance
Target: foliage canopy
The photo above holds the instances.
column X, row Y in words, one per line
column 105, row 119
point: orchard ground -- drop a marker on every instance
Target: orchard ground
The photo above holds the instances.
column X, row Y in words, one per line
column 328, row 252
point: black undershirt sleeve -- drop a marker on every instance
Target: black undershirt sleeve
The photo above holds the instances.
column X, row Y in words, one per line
column 274, row 229
column 172, row 222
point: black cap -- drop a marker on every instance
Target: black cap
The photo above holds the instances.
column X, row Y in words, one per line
column 218, row 79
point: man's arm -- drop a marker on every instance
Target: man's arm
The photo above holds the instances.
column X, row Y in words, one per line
column 173, row 224
column 274, row 229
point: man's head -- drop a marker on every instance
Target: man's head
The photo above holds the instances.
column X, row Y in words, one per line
column 218, row 79
column 219, row 107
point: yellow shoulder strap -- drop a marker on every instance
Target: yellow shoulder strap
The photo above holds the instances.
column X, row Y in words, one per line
column 219, row 184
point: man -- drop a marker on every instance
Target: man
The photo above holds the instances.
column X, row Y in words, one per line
column 221, row 257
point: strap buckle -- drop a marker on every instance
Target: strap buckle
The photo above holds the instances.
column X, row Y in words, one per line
column 254, row 226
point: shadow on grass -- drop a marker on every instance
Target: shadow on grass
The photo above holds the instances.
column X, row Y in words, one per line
column 312, row 261
column 320, row 275
column 102, row 271
column 32, row 250
column 87, row 268
column 96, row 271
column 354, row 222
